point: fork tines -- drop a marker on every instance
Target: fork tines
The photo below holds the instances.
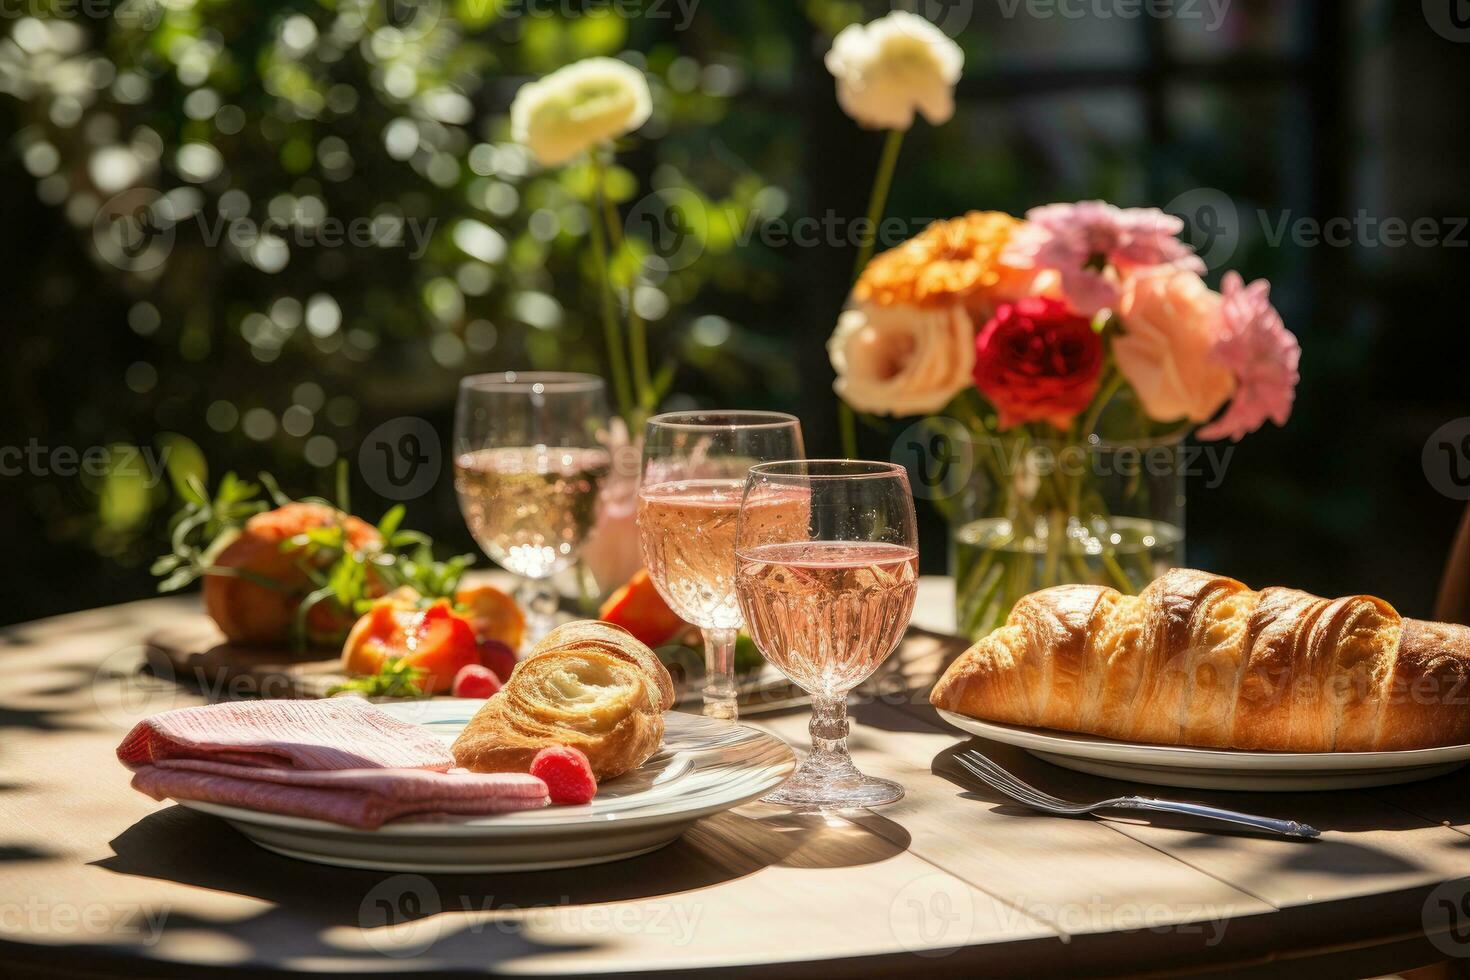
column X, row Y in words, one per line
column 990, row 773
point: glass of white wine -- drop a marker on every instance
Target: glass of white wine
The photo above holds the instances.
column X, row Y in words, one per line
column 529, row 459
column 694, row 468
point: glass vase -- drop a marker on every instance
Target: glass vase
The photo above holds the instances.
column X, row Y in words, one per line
column 1039, row 512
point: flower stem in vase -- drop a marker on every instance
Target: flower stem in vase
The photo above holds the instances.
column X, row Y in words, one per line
column 877, row 200
column 612, row 328
column 637, row 329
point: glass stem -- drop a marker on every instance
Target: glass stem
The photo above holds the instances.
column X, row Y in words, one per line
column 541, row 603
column 829, row 733
column 719, row 674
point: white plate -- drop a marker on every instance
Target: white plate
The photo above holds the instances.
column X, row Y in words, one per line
column 1178, row 765
column 703, row 767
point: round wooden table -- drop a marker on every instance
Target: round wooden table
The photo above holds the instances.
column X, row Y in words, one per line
column 99, row 879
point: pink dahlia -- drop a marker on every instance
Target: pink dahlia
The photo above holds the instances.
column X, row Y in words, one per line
column 1262, row 354
column 1094, row 245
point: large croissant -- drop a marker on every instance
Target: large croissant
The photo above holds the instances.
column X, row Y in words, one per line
column 1199, row 659
column 589, row 685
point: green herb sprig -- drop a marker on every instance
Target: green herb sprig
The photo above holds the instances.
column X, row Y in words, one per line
column 395, row 679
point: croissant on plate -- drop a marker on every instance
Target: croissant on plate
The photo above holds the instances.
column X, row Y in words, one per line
column 1200, row 659
column 588, row 685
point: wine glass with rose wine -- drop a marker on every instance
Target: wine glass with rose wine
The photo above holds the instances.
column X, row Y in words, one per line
column 828, row 601
column 693, row 476
column 528, row 463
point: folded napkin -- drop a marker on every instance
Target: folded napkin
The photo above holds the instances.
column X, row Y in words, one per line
column 340, row 759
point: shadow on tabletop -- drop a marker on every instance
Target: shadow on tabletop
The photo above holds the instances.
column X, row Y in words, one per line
column 1338, row 814
column 191, row 848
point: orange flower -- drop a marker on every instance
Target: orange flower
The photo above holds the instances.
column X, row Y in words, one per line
column 950, row 262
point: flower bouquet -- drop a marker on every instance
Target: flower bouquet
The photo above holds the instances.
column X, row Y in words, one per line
column 1060, row 361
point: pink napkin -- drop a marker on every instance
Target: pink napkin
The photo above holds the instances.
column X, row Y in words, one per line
column 340, row 759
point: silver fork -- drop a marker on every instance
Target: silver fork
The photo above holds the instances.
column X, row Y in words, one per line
column 993, row 775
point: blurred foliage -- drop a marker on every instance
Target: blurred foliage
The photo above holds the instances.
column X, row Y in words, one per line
column 317, row 219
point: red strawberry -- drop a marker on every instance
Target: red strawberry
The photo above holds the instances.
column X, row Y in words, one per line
column 475, row 681
column 566, row 773
column 499, row 657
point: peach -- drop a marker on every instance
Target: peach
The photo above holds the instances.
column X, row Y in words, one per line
column 251, row 613
column 638, row 608
column 493, row 614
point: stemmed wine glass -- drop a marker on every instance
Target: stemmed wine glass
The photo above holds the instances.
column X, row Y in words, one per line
column 827, row 600
column 694, row 469
column 528, row 462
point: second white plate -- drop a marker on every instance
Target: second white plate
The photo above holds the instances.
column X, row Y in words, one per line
column 1178, row 765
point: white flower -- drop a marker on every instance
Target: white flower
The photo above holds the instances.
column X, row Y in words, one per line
column 887, row 69
column 902, row 360
column 576, row 107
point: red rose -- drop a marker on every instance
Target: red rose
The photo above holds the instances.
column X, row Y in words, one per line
column 1035, row 360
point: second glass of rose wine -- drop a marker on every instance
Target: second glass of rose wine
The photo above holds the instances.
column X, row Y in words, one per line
column 693, row 477
column 827, row 600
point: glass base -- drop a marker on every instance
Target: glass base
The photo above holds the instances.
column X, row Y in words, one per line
column 827, row 784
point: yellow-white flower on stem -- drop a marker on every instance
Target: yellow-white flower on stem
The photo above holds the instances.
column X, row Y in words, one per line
column 902, row 360
column 893, row 66
column 576, row 107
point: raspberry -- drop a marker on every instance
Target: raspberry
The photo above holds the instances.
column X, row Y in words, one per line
column 499, row 657
column 475, row 681
column 566, row 773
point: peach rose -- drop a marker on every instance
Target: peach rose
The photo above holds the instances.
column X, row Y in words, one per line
column 902, row 360
column 1170, row 321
